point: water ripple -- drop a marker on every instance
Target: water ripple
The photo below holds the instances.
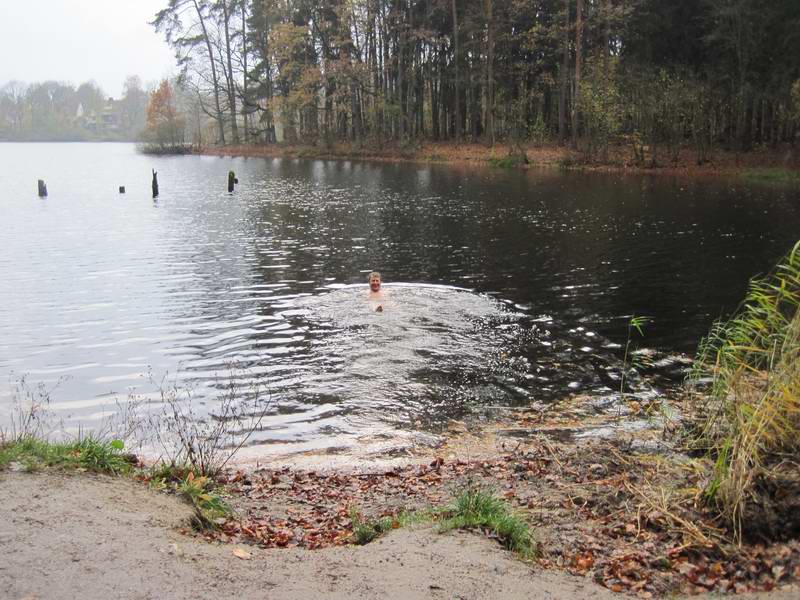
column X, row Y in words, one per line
column 98, row 290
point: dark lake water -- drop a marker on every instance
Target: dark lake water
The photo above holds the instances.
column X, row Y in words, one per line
column 505, row 288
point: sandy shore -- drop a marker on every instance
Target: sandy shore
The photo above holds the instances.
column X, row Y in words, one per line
column 606, row 511
column 94, row 537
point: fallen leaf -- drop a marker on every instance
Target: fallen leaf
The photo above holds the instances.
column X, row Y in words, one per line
column 242, row 553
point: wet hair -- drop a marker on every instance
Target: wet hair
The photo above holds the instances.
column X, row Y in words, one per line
column 373, row 274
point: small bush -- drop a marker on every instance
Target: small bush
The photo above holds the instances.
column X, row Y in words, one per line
column 153, row 149
column 571, row 161
column 507, row 162
column 206, row 443
column 163, row 474
column 208, row 506
column 30, row 410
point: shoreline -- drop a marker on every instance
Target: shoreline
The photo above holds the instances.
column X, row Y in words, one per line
column 615, row 514
column 545, row 156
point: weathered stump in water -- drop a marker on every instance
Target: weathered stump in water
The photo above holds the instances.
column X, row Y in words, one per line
column 122, row 189
column 232, row 181
column 155, row 184
column 42, row 189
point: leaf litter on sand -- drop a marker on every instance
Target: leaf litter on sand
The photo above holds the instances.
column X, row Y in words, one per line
column 625, row 511
column 629, row 520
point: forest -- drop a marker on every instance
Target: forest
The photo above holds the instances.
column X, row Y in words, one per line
column 654, row 75
column 58, row 111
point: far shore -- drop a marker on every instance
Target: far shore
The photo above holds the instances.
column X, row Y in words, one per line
column 770, row 164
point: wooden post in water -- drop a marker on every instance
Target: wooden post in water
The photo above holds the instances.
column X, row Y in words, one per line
column 42, row 189
column 232, row 181
column 122, row 189
column 155, row 184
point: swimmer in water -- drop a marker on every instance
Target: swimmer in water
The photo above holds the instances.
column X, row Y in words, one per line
column 375, row 293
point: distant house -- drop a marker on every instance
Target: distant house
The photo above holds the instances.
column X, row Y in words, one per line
column 107, row 121
column 111, row 116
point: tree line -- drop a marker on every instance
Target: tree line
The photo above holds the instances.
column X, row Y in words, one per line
column 656, row 74
column 56, row 111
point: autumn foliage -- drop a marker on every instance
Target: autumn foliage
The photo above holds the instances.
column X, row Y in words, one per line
column 164, row 125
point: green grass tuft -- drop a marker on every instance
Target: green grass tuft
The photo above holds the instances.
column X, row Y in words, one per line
column 366, row 531
column 478, row 509
column 472, row 509
column 101, row 457
column 417, row 517
column 507, row 162
column 88, row 453
column 772, row 175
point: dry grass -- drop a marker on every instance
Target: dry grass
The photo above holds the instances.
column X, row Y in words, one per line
column 753, row 422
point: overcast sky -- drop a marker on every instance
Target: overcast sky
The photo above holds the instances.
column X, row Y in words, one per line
column 79, row 40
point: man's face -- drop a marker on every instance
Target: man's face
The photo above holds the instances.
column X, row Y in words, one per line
column 375, row 283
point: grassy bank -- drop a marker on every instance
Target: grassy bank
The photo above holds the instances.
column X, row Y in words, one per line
column 779, row 175
column 31, row 454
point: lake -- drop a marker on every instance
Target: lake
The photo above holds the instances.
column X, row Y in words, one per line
column 505, row 288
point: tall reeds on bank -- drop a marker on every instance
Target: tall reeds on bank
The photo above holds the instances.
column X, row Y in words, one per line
column 751, row 425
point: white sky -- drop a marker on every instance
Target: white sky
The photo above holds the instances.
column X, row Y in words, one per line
column 79, row 40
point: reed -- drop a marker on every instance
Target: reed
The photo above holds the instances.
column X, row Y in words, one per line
column 752, row 423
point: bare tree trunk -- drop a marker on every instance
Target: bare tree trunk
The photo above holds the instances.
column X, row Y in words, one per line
column 489, row 118
column 352, row 55
column 214, row 77
column 245, row 100
column 456, row 59
column 231, row 79
column 578, row 52
column 372, row 61
column 401, row 67
column 384, row 53
column 271, row 135
column 562, row 99
column 436, row 86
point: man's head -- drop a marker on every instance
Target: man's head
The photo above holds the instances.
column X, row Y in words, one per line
column 375, row 281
